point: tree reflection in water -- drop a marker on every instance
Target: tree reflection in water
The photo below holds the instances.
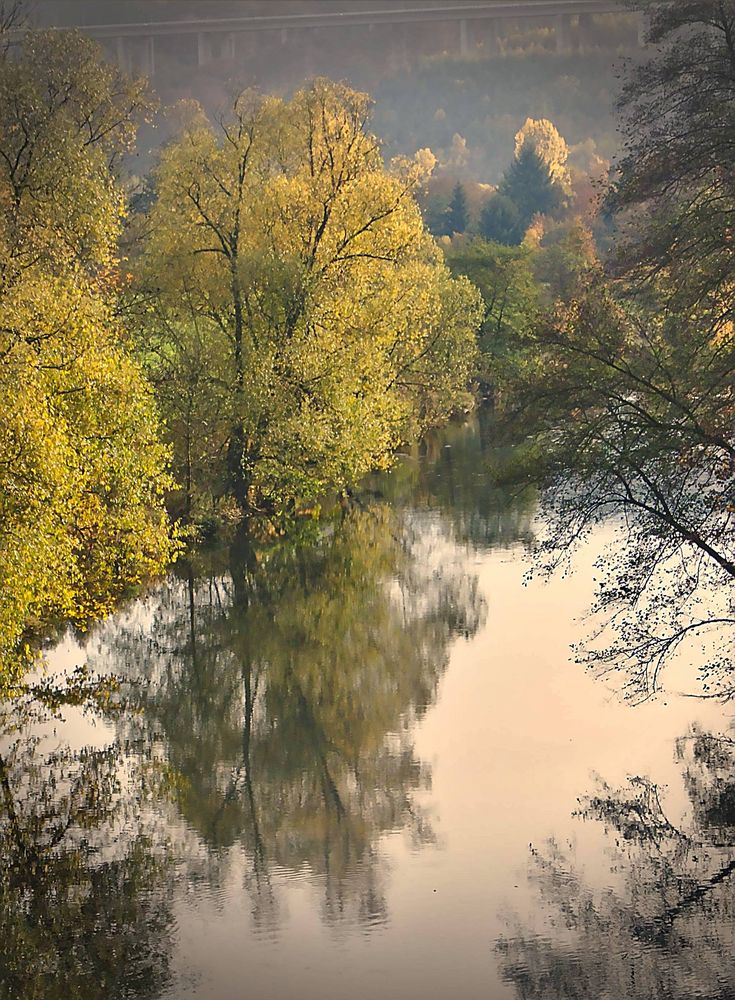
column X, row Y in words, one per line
column 84, row 893
column 665, row 925
column 270, row 696
column 455, row 472
column 285, row 681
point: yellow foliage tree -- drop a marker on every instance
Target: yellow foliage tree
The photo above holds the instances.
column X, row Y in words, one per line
column 280, row 236
column 81, row 486
column 543, row 137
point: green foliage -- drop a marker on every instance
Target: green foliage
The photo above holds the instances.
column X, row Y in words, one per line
column 504, row 276
column 530, row 186
column 81, row 486
column 190, row 367
column 527, row 189
column 565, row 260
column 528, row 183
column 458, row 212
column 501, row 221
column 286, row 252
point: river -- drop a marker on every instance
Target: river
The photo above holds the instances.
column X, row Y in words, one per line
column 365, row 765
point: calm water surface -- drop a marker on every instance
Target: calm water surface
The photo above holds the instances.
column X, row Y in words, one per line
column 366, row 767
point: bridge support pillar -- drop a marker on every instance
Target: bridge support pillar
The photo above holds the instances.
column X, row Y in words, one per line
column 136, row 56
column 493, row 35
column 122, row 55
column 643, row 27
column 247, row 47
column 204, row 48
column 464, row 45
column 228, row 46
column 586, row 31
column 398, row 60
column 148, row 58
column 564, row 33
column 310, row 48
column 488, row 35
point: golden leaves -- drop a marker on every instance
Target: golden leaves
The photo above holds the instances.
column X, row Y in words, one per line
column 282, row 234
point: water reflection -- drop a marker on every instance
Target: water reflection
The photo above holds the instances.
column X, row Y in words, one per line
column 661, row 921
column 84, row 891
column 262, row 807
column 286, row 682
column 453, row 472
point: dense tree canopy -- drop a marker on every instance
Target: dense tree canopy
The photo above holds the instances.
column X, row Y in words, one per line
column 458, row 215
column 504, row 276
column 501, row 221
column 282, row 247
column 81, row 482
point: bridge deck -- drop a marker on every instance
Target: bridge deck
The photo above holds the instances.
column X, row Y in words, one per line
column 453, row 12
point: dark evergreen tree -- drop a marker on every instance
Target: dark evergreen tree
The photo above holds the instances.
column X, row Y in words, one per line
column 458, row 215
column 436, row 218
column 501, row 221
column 527, row 189
column 529, row 184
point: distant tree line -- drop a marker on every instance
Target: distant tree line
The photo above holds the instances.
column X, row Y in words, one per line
column 535, row 183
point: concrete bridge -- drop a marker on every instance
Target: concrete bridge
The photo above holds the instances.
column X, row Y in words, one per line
column 133, row 45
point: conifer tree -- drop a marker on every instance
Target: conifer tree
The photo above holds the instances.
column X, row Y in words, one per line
column 529, row 185
column 527, row 189
column 458, row 215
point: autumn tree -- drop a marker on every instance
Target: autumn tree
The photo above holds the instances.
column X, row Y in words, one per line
column 505, row 278
column 81, row 483
column 279, row 238
column 542, row 136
